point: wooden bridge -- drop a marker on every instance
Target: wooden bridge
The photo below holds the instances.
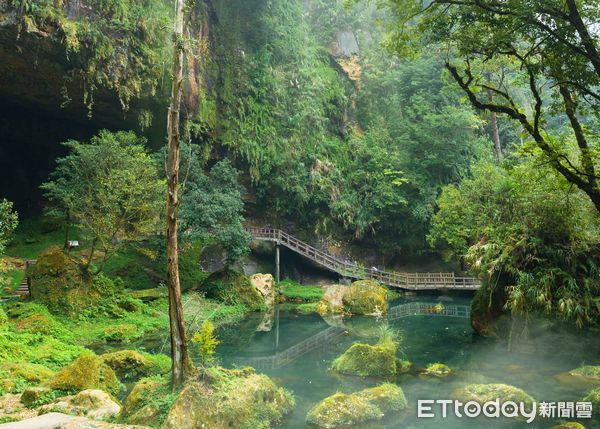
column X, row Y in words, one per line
column 334, row 333
column 410, row 281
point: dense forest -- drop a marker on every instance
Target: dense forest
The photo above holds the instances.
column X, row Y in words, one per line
column 143, row 142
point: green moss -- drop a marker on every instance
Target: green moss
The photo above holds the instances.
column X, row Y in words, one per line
column 403, row 366
column 4, row 325
column 365, row 297
column 292, row 291
column 569, row 425
column 482, row 393
column 17, row 376
column 149, row 402
column 439, row 370
column 87, row 372
column 131, row 365
column 367, row 360
column 587, row 371
column 230, row 398
column 341, row 409
column 593, row 396
column 233, row 288
column 122, row 333
column 43, row 324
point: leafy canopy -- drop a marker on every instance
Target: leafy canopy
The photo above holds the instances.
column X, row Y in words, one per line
column 110, row 187
column 8, row 222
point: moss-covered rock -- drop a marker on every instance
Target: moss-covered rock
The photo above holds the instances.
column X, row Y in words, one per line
column 86, row 372
column 569, row 425
column 588, row 372
column 403, row 366
column 225, row 399
column 233, row 288
column 30, row 372
column 91, row 403
column 34, row 395
column 593, row 396
column 439, row 370
column 367, row 360
column 131, row 365
column 342, row 409
column 141, row 407
column 365, row 297
column 122, row 333
column 332, row 300
column 482, row 393
column 43, row 324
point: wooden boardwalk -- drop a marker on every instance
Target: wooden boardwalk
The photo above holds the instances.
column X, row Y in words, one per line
column 410, row 281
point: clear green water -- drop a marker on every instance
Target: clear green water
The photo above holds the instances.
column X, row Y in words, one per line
column 427, row 338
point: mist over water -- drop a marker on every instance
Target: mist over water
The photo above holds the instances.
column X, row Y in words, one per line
column 532, row 364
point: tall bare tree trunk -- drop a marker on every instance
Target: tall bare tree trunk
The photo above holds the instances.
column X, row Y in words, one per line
column 182, row 365
column 496, row 136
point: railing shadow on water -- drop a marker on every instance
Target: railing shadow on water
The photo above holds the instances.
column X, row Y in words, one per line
column 328, row 336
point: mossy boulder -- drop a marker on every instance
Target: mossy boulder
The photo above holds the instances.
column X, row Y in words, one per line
column 233, row 288
column 332, row 300
column 131, row 365
column 34, row 395
column 86, row 372
column 593, row 396
column 340, row 409
column 589, row 372
column 439, row 370
column 141, row 407
column 225, row 399
column 17, row 376
column 367, row 360
column 482, row 393
column 365, row 297
column 122, row 333
column 403, row 366
column 569, row 425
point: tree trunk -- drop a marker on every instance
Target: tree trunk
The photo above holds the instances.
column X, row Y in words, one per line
column 181, row 363
column 496, row 136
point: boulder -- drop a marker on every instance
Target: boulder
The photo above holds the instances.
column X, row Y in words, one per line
column 365, row 297
column 138, row 408
column 131, row 365
column 367, row 360
column 403, row 366
column 63, row 421
column 29, row 373
column 86, row 372
column 482, row 393
column 225, row 399
column 91, row 403
column 332, row 302
column 593, row 396
column 439, row 370
column 33, row 395
column 264, row 284
column 356, row 408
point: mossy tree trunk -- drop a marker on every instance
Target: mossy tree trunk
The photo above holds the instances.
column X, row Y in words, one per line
column 181, row 363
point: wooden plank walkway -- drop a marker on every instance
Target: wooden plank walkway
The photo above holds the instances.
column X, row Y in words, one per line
column 410, row 281
column 329, row 335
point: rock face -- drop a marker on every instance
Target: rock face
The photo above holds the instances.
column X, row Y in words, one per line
column 366, row 360
column 241, row 399
column 91, row 403
column 86, row 372
column 482, row 393
column 342, row 409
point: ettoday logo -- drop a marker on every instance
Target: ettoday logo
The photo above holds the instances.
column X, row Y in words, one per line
column 430, row 408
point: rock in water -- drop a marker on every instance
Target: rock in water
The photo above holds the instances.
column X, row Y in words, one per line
column 366, row 405
column 366, row 360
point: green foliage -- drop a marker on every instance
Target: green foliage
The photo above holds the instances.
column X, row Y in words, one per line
column 131, row 365
column 233, row 288
column 120, row 45
column 525, row 230
column 207, row 343
column 293, row 291
column 8, row 222
column 122, row 333
column 110, row 187
column 212, row 208
column 149, row 401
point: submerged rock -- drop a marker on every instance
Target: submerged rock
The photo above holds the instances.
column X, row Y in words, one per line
column 365, row 297
column 86, row 372
column 367, row 360
column 229, row 398
column 482, row 393
column 343, row 409
column 439, row 370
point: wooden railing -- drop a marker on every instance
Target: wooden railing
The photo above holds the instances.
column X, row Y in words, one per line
column 413, row 281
